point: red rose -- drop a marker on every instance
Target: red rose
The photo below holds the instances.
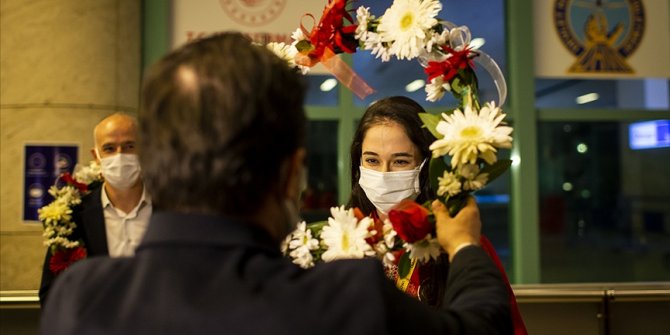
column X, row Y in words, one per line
column 63, row 258
column 410, row 221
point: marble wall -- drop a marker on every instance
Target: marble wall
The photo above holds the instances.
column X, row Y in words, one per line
column 64, row 65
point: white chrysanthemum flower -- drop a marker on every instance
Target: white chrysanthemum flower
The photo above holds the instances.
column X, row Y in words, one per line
column 473, row 179
column 363, row 18
column 68, row 195
column 470, row 135
column 302, row 257
column 283, row 246
column 448, row 184
column 297, row 36
column 389, row 233
column 437, row 39
column 377, row 48
column 436, row 88
column 424, row 250
column 383, row 253
column 87, row 174
column 61, row 242
column 302, row 237
column 283, row 51
column 287, row 53
column 384, row 246
column 344, row 236
column 405, row 25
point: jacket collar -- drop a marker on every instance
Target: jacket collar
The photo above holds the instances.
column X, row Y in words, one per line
column 199, row 229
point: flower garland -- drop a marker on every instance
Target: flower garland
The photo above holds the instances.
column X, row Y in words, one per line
column 466, row 137
column 409, row 29
column 464, row 153
column 56, row 217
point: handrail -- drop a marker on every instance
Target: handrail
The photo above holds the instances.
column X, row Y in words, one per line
column 592, row 292
column 526, row 293
column 19, row 299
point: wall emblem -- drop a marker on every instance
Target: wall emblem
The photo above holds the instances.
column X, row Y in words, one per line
column 601, row 34
column 253, row 12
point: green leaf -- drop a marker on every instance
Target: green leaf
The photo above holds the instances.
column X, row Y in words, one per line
column 497, row 169
column 430, row 121
column 404, row 265
column 304, row 46
column 316, row 227
column 456, row 87
column 456, row 203
column 436, row 169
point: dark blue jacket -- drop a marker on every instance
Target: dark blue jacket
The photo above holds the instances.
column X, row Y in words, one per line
column 196, row 274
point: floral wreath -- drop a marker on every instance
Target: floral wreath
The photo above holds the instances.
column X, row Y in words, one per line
column 56, row 217
column 464, row 153
column 467, row 137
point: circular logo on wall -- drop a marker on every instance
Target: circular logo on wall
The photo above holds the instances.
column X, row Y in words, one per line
column 37, row 161
column 253, row 12
column 601, row 34
column 62, row 161
column 36, row 190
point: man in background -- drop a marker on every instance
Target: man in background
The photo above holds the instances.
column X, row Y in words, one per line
column 111, row 219
column 223, row 131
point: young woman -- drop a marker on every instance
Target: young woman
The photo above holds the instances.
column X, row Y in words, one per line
column 389, row 155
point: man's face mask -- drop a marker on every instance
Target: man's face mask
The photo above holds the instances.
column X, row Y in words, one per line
column 121, row 171
column 291, row 210
column 387, row 189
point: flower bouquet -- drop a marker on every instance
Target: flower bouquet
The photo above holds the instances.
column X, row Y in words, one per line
column 56, row 217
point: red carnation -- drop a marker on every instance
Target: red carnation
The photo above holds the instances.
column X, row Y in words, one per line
column 331, row 33
column 458, row 60
column 410, row 221
column 67, row 177
column 63, row 258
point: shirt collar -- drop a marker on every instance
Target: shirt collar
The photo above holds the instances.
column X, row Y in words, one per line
column 144, row 199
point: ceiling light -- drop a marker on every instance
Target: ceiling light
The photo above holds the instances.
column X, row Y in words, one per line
column 586, row 98
column 415, row 85
column 582, row 148
column 328, row 84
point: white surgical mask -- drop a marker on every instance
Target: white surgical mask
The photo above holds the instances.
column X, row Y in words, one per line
column 387, row 189
column 121, row 171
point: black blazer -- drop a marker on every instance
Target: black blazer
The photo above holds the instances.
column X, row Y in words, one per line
column 209, row 275
column 90, row 221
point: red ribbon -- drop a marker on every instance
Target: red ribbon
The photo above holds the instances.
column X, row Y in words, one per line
column 330, row 37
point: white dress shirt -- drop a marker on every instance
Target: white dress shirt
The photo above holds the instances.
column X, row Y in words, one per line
column 125, row 230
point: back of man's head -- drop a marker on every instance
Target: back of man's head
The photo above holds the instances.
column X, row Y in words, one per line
column 220, row 116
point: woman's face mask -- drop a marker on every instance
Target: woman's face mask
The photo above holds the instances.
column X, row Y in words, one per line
column 386, row 189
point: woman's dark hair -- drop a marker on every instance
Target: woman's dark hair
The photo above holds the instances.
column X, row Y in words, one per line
column 405, row 112
column 219, row 117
